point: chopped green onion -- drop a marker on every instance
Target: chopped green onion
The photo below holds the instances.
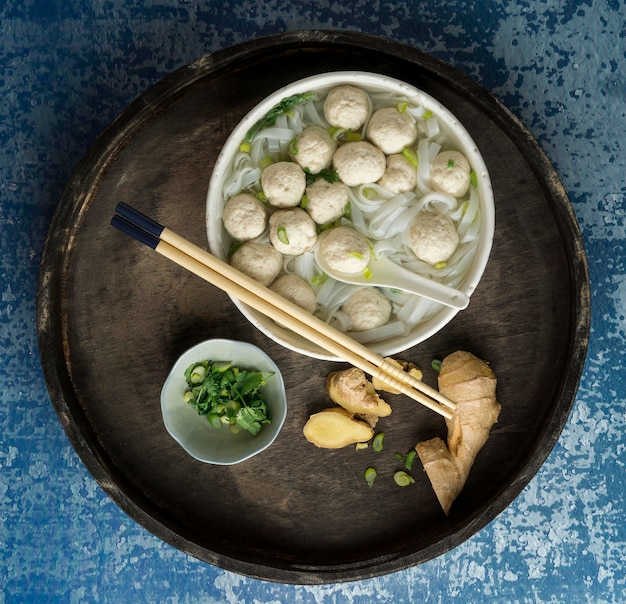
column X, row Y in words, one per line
column 188, row 396
column 346, row 210
column 441, row 264
column 281, row 233
column 198, row 374
column 427, row 114
column 261, row 196
column 266, row 161
column 450, row 164
column 245, row 147
column 370, row 476
column 304, row 201
column 221, row 365
column 361, row 446
column 353, row 137
column 235, row 428
column 410, row 155
column 293, row 146
column 402, row 479
column 473, row 179
column 436, row 365
column 367, row 272
column 215, row 420
column 356, row 255
column 319, row 279
column 401, row 106
column 377, row 443
column 410, row 458
column 369, row 193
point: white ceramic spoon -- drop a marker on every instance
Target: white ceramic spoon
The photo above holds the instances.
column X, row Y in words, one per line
column 386, row 273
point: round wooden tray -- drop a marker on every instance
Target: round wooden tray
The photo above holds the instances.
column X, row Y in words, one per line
column 113, row 316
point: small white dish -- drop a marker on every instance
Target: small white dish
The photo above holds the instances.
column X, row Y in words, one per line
column 194, row 433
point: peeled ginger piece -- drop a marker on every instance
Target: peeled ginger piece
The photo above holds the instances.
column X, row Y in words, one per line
column 335, row 428
column 471, row 384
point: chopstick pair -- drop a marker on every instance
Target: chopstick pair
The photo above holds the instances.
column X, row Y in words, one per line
column 251, row 292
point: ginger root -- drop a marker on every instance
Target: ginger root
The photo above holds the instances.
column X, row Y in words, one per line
column 471, row 384
column 352, row 390
column 335, row 428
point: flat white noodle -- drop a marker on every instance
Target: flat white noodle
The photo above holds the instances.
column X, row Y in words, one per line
column 389, row 330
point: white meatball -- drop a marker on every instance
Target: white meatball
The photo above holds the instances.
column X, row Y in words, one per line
column 259, row 261
column 450, row 173
column 359, row 163
column 392, row 130
column 292, row 231
column 283, row 184
column 326, row 201
column 346, row 107
column 313, row 149
column 367, row 309
column 433, row 237
column 296, row 290
column 400, row 176
column 345, row 250
column 245, row 217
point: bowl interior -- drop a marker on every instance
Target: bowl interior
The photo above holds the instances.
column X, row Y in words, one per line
column 220, row 242
column 194, row 433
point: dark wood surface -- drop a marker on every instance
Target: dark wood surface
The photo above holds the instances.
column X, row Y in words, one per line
column 114, row 316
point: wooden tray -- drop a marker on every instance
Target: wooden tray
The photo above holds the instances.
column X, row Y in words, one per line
column 113, row 316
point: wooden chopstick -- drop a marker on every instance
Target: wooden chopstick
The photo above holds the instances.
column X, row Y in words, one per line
column 264, row 300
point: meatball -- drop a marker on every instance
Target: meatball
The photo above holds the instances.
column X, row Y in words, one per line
column 345, row 250
column 296, row 290
column 245, row 217
column 433, row 237
column 259, row 261
column 283, row 184
column 292, row 231
column 346, row 107
column 367, row 309
column 450, row 173
column 326, row 201
column 391, row 130
column 313, row 149
column 359, row 163
column 400, row 176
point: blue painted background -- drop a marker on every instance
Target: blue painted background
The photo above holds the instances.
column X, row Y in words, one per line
column 68, row 67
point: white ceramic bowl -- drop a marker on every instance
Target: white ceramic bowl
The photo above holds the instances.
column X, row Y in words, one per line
column 219, row 240
column 194, row 433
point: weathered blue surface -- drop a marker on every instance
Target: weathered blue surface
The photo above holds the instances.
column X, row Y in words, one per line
column 67, row 67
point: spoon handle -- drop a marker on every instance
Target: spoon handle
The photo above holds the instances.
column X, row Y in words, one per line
column 407, row 280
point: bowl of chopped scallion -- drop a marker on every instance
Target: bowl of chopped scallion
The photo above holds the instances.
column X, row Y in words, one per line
column 224, row 401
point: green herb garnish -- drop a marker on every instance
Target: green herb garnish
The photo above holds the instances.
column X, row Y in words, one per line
column 228, row 395
column 327, row 174
column 269, row 119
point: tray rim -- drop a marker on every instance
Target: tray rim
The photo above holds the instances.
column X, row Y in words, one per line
column 55, row 261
